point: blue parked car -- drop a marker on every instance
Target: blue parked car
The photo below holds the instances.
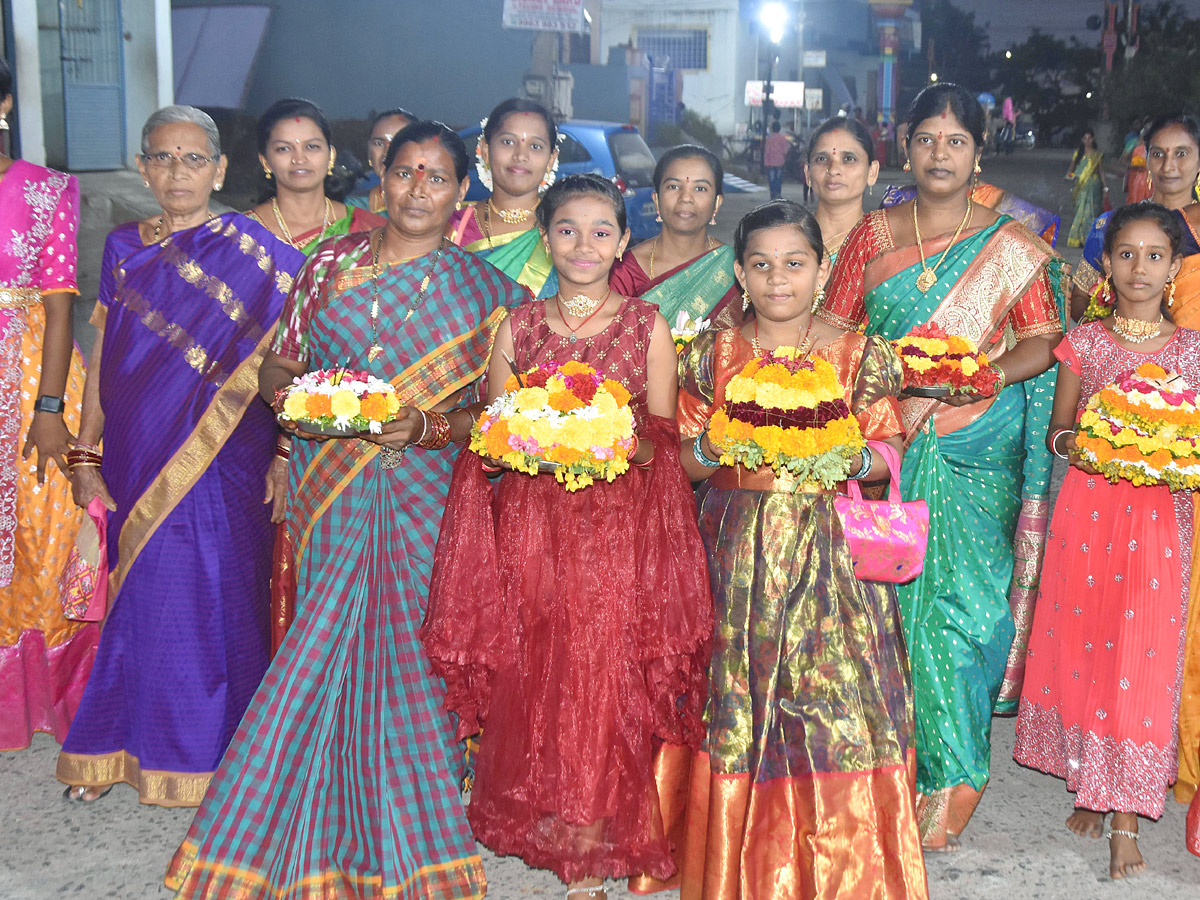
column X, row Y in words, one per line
column 605, row 148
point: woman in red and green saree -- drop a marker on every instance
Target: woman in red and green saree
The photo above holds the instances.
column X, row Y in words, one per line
column 684, row 269
column 342, row 780
column 979, row 462
column 296, row 152
column 516, row 158
column 188, row 302
column 841, row 167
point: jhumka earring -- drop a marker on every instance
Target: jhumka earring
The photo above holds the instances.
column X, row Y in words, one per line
column 713, row 220
column 1170, row 292
column 657, row 215
column 818, row 298
column 907, row 166
column 745, row 300
column 3, row 121
column 267, row 173
column 330, row 171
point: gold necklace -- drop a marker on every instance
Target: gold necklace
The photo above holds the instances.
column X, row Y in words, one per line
column 158, row 226
column 803, row 346
column 509, row 216
column 928, row 276
column 1136, row 331
column 581, row 304
column 287, row 234
column 829, row 251
column 586, row 318
column 709, row 243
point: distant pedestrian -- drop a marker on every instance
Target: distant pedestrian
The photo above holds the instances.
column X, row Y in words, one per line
column 1102, row 682
column 1088, row 189
column 384, row 127
column 775, row 154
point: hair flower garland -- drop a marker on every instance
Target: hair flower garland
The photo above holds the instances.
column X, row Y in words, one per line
column 1145, row 428
column 484, row 170
column 568, row 417
column 790, row 414
column 933, row 358
column 340, row 400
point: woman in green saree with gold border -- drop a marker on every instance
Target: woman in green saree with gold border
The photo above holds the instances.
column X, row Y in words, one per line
column 516, row 158
column 978, row 462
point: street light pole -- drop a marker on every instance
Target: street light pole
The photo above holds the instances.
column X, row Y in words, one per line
column 774, row 19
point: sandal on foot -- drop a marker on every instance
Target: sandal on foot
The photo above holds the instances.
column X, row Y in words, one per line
column 595, row 892
column 75, row 793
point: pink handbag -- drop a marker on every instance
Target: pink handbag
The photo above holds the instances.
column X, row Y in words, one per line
column 887, row 538
column 83, row 585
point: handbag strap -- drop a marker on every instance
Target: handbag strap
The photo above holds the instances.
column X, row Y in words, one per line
column 892, row 459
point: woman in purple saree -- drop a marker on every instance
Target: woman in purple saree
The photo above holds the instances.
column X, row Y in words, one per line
column 188, row 303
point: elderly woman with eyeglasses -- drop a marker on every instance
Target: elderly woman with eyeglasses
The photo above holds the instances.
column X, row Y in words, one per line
column 188, row 304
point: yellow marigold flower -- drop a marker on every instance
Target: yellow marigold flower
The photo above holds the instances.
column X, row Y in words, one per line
column 575, row 367
column 294, row 405
column 969, row 366
column 532, row 398
column 344, row 404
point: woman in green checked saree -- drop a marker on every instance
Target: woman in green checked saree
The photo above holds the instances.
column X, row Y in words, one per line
column 342, row 781
column 979, row 462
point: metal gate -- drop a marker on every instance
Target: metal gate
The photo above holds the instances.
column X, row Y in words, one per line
column 93, row 83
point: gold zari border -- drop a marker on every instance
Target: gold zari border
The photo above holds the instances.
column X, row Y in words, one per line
column 154, row 786
column 187, row 464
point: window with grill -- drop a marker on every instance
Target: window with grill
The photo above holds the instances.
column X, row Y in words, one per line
column 678, row 48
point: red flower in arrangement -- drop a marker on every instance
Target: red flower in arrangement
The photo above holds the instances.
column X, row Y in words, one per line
column 583, row 387
column 929, row 330
column 985, row 381
column 538, row 377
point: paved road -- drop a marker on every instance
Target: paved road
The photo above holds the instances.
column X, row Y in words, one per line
column 1016, row 847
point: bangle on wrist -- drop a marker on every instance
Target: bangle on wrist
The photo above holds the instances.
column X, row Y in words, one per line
column 1054, row 442
column 865, row 462
column 48, row 404
column 638, row 443
column 698, row 451
column 435, row 434
column 1001, row 383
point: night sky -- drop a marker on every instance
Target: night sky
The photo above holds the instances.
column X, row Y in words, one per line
column 1013, row 20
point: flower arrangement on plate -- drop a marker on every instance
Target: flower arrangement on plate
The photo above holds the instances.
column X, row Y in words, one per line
column 567, row 418
column 685, row 329
column 938, row 364
column 1145, row 428
column 339, row 402
column 788, row 413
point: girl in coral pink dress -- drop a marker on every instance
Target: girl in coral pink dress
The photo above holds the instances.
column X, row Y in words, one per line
column 574, row 627
column 1102, row 681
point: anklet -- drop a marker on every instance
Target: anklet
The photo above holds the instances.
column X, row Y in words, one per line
column 1132, row 835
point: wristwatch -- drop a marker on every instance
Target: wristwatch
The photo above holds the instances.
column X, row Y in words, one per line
column 46, row 403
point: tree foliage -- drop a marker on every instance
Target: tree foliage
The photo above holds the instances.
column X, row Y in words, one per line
column 1164, row 75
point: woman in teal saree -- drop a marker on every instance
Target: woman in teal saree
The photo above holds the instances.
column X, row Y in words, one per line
column 684, row 271
column 978, row 462
column 343, row 778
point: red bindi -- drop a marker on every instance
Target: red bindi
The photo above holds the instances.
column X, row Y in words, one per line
column 945, row 113
column 298, row 120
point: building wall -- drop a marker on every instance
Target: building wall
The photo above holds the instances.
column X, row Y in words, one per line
column 448, row 60
column 715, row 92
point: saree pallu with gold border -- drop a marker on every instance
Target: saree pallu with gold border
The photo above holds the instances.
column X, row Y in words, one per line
column 704, row 288
column 1185, row 311
column 342, row 781
column 520, row 255
column 1087, row 193
column 187, row 445
column 803, row 788
column 984, row 471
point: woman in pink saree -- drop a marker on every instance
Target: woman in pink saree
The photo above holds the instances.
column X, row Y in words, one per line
column 44, row 657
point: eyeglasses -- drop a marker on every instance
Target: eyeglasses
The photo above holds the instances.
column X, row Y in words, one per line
column 166, row 160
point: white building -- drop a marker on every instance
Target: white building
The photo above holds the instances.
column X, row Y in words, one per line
column 86, row 74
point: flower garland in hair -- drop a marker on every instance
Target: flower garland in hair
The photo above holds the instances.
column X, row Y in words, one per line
column 484, row 170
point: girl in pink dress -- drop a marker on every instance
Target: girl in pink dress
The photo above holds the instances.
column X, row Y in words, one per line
column 1105, row 662
column 574, row 627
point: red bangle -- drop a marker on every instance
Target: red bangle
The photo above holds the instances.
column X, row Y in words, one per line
column 280, row 395
column 491, row 470
column 437, row 435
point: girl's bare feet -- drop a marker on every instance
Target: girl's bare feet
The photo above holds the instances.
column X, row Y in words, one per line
column 952, row 845
column 1086, row 823
column 1125, row 860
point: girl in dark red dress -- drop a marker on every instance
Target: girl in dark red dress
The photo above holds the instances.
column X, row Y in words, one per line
column 1102, row 680
column 573, row 628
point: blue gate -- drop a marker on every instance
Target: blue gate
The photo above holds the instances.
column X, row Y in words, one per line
column 93, row 84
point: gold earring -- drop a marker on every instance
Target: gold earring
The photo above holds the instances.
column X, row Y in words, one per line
column 1196, row 186
column 907, row 166
column 218, row 186
column 1170, row 292
column 818, row 297
column 1150, row 179
column 978, row 171
column 745, row 300
column 267, row 173
column 713, row 220
column 657, row 215
column 457, row 205
column 620, row 255
column 146, row 183
column 330, row 165
column 3, row 121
